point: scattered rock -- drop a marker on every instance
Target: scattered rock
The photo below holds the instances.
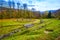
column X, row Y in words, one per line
column 58, row 38
column 5, row 35
column 48, row 31
column 17, row 30
column 41, row 27
column 9, row 34
column 28, row 25
column 1, row 36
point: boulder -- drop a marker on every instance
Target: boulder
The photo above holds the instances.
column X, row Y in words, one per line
column 11, row 33
column 48, row 31
column 1, row 36
column 5, row 35
column 58, row 38
column 28, row 25
column 17, row 30
column 41, row 27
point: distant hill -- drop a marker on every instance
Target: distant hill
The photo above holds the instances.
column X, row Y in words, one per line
column 53, row 11
column 58, row 11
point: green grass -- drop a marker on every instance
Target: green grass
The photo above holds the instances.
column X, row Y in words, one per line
column 33, row 33
column 9, row 25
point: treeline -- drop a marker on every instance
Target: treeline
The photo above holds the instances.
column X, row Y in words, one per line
column 11, row 12
column 6, row 13
column 57, row 14
column 49, row 14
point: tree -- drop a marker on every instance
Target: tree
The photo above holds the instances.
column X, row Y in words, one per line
column 1, row 4
column 41, row 20
column 57, row 14
column 49, row 14
column 33, row 9
column 13, row 4
column 18, row 5
column 25, row 7
column 9, row 2
column 45, row 14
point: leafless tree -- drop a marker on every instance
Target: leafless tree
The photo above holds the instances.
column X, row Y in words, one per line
column 1, row 5
column 25, row 7
column 9, row 2
column 18, row 5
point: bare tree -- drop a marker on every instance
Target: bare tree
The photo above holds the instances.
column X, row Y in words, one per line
column 1, row 16
column 18, row 5
column 9, row 2
column 41, row 19
column 13, row 3
column 25, row 7
column 1, row 5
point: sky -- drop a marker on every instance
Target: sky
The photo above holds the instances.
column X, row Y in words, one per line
column 41, row 5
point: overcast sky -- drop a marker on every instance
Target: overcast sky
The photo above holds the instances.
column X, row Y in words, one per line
column 42, row 5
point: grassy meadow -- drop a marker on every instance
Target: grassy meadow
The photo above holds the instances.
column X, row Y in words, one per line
column 49, row 29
